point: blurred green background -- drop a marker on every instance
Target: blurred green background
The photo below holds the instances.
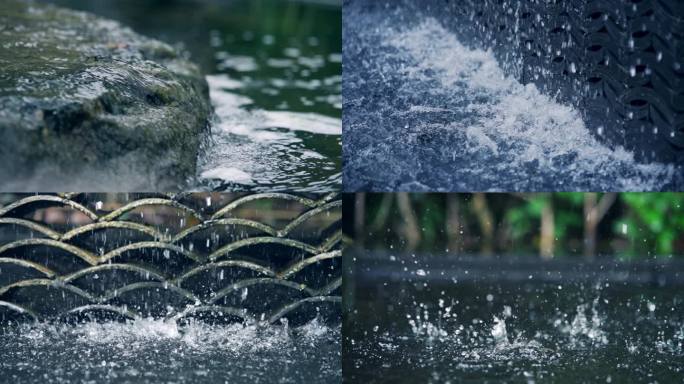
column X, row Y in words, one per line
column 626, row 226
column 256, row 29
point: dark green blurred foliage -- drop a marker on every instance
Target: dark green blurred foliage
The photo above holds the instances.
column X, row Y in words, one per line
column 653, row 224
column 625, row 225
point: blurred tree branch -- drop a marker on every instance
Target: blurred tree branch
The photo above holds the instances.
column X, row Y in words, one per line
column 453, row 222
column 410, row 228
column 486, row 221
column 593, row 214
column 359, row 215
column 383, row 212
column 548, row 231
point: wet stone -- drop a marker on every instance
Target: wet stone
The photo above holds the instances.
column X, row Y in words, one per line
column 87, row 103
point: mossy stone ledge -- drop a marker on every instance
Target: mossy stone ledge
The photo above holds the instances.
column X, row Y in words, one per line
column 86, row 103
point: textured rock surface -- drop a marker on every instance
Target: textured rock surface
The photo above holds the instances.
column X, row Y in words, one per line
column 86, row 103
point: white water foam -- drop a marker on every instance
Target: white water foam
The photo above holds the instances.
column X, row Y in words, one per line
column 230, row 174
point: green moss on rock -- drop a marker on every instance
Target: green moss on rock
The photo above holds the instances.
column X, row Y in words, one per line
column 86, row 103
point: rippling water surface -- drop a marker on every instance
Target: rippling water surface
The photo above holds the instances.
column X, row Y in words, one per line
column 276, row 88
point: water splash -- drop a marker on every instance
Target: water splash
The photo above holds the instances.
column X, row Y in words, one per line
column 455, row 121
column 499, row 332
column 584, row 329
column 155, row 350
column 674, row 345
column 421, row 326
column 478, row 343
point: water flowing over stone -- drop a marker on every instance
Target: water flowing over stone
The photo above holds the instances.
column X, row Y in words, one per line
column 86, row 103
